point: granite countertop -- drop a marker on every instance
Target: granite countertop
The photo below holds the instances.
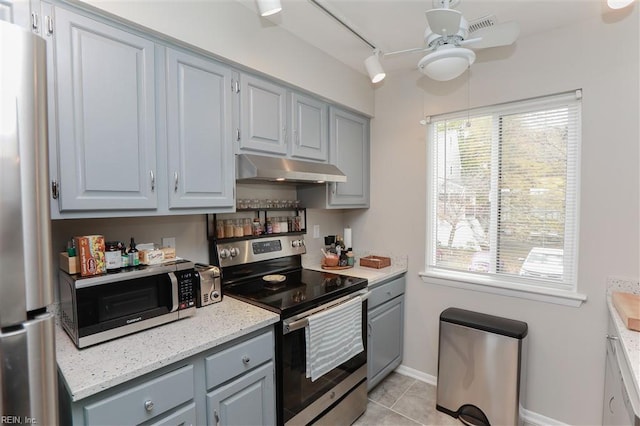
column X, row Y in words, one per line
column 629, row 339
column 373, row 275
column 96, row 368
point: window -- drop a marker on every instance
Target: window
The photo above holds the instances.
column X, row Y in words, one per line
column 502, row 202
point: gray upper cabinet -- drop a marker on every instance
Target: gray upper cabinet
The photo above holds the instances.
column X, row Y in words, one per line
column 19, row 13
column 106, row 116
column 349, row 151
column 263, row 114
column 309, row 128
column 200, row 156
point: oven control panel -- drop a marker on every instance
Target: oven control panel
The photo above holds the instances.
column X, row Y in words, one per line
column 247, row 251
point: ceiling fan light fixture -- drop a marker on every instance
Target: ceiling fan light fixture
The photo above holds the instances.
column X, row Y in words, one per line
column 269, row 7
column 446, row 63
column 618, row 4
column 374, row 68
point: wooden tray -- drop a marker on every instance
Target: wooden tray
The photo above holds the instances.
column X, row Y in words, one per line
column 335, row 268
column 628, row 306
column 375, row 261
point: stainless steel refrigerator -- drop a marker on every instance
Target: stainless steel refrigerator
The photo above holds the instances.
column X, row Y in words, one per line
column 27, row 340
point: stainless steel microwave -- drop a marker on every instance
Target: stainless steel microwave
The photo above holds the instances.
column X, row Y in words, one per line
column 104, row 307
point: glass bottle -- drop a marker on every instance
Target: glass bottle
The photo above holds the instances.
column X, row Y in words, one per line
column 134, row 256
column 228, row 228
column 246, row 227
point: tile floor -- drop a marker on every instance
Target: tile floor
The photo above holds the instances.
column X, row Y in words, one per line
column 400, row 400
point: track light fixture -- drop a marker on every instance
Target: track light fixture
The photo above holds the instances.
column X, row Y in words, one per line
column 374, row 68
column 269, row 7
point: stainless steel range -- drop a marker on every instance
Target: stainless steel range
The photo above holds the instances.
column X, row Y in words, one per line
column 267, row 272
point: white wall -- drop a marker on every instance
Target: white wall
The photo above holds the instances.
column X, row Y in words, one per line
column 232, row 31
column 566, row 345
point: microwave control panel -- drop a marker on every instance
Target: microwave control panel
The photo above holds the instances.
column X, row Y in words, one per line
column 186, row 288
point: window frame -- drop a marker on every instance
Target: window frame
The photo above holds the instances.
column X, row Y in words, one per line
column 565, row 293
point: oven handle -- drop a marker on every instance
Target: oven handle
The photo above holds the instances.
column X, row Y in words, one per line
column 302, row 320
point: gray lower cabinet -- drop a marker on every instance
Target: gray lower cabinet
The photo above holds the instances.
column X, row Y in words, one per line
column 385, row 329
column 248, row 400
column 263, row 116
column 233, row 385
column 200, row 157
column 106, row 116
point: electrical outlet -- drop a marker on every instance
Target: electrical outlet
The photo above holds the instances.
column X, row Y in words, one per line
column 316, row 231
column 169, row 242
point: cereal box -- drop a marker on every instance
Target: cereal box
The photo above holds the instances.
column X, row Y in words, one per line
column 91, row 253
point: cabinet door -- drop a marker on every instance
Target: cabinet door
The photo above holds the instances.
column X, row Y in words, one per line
column 200, row 154
column 249, row 400
column 262, row 116
column 349, row 151
column 613, row 409
column 106, row 116
column 17, row 12
column 309, row 128
column 384, row 349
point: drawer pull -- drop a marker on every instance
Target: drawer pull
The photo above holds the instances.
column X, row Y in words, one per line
column 246, row 360
column 610, row 337
column 148, row 405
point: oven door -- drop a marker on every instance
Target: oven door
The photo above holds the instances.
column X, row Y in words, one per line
column 302, row 399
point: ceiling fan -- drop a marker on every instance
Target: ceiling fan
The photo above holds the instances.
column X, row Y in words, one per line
column 449, row 38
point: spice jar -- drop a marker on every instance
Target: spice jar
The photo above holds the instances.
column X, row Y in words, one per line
column 112, row 254
column 246, row 227
column 284, row 227
column 219, row 229
column 228, row 228
column 276, row 225
column 268, row 227
column 238, row 231
column 257, row 227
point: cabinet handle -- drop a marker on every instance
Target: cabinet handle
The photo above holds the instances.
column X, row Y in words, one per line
column 369, row 327
column 215, row 415
column 48, row 22
column 175, row 181
column 334, row 187
column 246, row 360
column 610, row 401
column 148, row 405
column 610, row 337
column 153, row 180
column 34, row 21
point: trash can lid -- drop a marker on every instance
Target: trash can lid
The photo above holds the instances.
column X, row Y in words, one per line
column 485, row 322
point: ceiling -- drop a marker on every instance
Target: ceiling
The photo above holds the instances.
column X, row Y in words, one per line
column 393, row 25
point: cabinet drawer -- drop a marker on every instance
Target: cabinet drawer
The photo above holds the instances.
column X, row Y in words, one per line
column 386, row 291
column 184, row 416
column 145, row 401
column 238, row 359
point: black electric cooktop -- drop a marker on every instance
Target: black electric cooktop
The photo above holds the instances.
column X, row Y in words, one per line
column 300, row 290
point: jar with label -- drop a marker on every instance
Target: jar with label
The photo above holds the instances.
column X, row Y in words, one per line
column 284, row 225
column 276, row 225
column 296, row 224
column 113, row 256
column 268, row 227
column 257, row 227
column 124, row 256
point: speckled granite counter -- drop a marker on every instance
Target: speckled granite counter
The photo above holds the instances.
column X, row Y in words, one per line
column 96, row 368
column 374, row 276
column 629, row 339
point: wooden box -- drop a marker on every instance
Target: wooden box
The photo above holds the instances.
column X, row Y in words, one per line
column 71, row 265
column 375, row 261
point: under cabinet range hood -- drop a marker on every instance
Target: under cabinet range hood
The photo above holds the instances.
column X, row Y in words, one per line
column 251, row 167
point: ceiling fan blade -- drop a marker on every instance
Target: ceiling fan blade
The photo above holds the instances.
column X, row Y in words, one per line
column 444, row 21
column 497, row 35
column 413, row 50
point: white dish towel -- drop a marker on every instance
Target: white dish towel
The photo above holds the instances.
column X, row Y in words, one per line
column 333, row 337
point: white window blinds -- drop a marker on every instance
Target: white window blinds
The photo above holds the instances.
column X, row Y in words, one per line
column 503, row 191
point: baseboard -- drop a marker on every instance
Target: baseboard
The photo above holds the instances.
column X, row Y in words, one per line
column 529, row 417
column 418, row 375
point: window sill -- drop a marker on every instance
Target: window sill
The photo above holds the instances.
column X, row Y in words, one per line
column 488, row 285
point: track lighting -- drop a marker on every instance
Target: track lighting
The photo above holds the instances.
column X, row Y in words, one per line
column 374, row 68
column 618, row 4
column 269, row 7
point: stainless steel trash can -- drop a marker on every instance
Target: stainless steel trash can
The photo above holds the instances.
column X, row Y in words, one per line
column 481, row 367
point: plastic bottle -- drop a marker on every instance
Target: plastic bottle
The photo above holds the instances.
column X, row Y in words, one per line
column 134, row 257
